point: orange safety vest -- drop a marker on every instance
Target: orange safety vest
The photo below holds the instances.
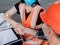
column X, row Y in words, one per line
column 31, row 43
column 30, row 22
column 45, row 42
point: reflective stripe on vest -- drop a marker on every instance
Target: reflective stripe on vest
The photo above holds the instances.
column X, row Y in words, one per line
column 21, row 10
column 37, row 42
column 33, row 42
column 32, row 18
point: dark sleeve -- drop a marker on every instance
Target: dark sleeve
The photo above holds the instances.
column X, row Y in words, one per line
column 40, row 34
column 16, row 6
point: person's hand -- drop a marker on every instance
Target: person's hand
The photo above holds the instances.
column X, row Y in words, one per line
column 39, row 26
column 29, row 31
column 18, row 29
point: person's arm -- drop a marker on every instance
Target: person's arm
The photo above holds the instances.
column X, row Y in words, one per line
column 30, row 31
column 34, row 33
column 27, row 30
column 39, row 26
column 9, row 13
column 7, row 16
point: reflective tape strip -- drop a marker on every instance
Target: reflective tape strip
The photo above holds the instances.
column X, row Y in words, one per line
column 34, row 16
column 21, row 10
column 33, row 42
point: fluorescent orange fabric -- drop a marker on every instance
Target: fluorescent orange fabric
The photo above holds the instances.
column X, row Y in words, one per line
column 28, row 44
column 52, row 16
column 34, row 39
column 45, row 42
column 27, row 22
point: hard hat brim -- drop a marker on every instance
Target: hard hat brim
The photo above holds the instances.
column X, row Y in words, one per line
column 50, row 22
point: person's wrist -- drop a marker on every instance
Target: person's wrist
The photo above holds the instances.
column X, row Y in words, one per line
column 15, row 24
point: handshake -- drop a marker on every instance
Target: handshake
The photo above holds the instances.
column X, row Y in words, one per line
column 19, row 29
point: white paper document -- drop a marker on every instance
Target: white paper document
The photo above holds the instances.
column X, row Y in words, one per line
column 6, row 35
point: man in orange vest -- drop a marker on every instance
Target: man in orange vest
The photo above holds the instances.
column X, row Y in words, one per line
column 29, row 11
column 51, row 26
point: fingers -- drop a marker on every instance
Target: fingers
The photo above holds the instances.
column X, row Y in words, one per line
column 21, row 32
column 18, row 30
